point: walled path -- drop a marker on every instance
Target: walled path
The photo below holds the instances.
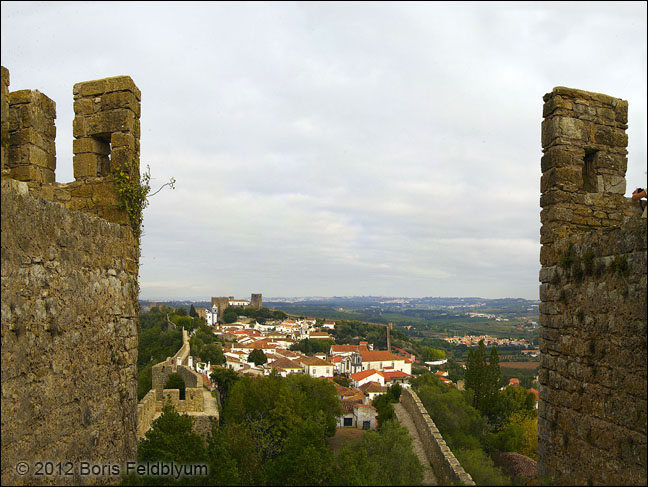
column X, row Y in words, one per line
column 405, row 420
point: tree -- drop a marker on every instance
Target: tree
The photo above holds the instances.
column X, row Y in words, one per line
column 230, row 315
column 176, row 382
column 342, row 380
column 181, row 311
column 305, row 459
column 383, row 405
column 383, row 458
column 171, row 439
column 213, row 353
column 258, row 357
column 481, row 378
column 224, row 379
column 192, row 312
column 432, row 354
column 394, row 392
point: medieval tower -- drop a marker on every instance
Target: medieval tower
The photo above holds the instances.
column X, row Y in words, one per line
column 592, row 409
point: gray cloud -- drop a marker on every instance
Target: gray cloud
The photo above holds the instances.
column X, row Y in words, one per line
column 338, row 148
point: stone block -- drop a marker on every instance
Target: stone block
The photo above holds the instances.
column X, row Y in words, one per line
column 32, row 173
column 90, row 88
column 121, row 139
column 79, row 127
column 120, row 120
column 32, row 136
column 609, row 136
column 621, row 111
column 568, row 178
column 121, row 99
column 86, row 165
column 105, row 195
column 84, row 106
column 566, row 127
column 90, row 144
column 122, row 83
column 561, row 157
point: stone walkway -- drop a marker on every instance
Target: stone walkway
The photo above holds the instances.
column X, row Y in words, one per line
column 405, row 420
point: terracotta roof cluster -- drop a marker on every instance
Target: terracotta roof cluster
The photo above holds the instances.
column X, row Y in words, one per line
column 285, row 364
column 348, row 348
column 379, row 356
column 373, row 387
column 315, row 361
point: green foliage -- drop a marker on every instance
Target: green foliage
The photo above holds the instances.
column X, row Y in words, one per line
column 588, row 262
column 266, row 400
column 481, row 467
column 230, row 315
column 342, row 380
column 455, row 371
column 224, row 379
column 620, row 265
column 156, row 343
column 258, row 357
column 384, row 458
column 174, row 381
column 310, row 347
column 482, row 378
column 170, row 439
column 262, row 314
column 394, row 392
column 206, row 345
column 451, row 410
column 181, row 311
column 305, row 459
column 432, row 354
column 212, row 353
column 133, row 193
column 565, row 261
column 144, row 381
column 512, row 399
column 192, row 312
column 383, row 405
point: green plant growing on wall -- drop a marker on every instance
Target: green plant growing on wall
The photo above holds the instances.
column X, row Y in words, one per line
column 588, row 261
column 620, row 265
column 567, row 260
column 134, row 194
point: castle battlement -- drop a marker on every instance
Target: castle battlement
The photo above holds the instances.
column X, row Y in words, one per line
column 69, row 285
column 106, row 131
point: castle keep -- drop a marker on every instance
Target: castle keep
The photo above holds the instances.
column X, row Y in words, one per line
column 70, row 264
column 592, row 409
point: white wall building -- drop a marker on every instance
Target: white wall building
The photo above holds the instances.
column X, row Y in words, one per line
column 211, row 315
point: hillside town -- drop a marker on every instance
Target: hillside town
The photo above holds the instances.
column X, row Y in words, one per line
column 473, row 341
column 369, row 372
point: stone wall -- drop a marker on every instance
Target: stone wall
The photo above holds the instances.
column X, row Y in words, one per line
column 445, row 464
column 198, row 402
column 69, row 303
column 592, row 407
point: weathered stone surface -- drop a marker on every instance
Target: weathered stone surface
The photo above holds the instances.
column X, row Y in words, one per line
column 69, row 302
column 65, row 318
column 592, row 409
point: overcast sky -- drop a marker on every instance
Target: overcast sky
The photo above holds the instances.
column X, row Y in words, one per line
column 337, row 148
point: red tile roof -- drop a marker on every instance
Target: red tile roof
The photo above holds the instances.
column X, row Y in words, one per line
column 396, row 374
column 379, row 356
column 358, row 376
column 372, row 387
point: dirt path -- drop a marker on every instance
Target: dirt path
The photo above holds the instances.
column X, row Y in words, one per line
column 405, row 420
